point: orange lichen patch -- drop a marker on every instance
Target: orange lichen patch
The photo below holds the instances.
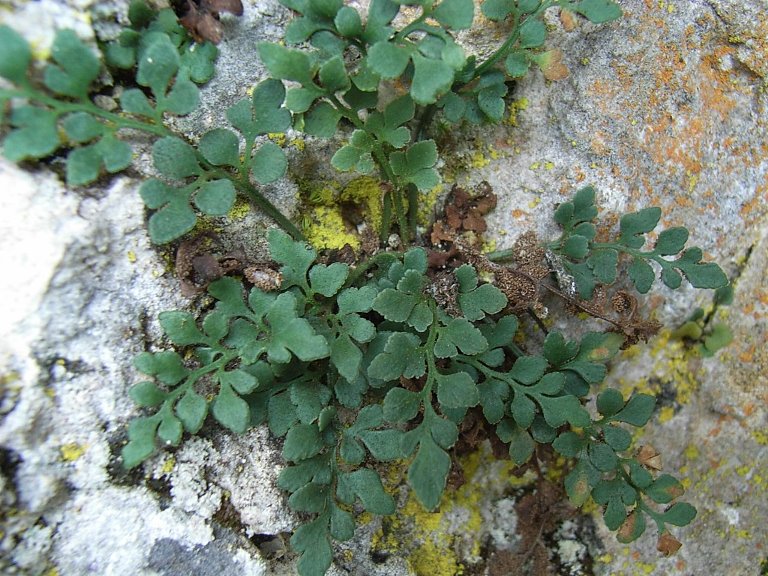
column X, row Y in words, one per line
column 517, row 213
column 747, row 355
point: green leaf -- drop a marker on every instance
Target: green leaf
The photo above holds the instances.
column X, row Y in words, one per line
column 671, row 278
column 158, row 63
column 240, row 380
column 485, row 299
column 641, row 274
column 455, row 14
column 166, row 366
column 321, row 120
column 348, row 23
column 603, row 264
column 680, row 514
column 609, row 402
column 310, row 498
column 82, row 127
column 558, row 411
column 333, row 75
column 346, row 357
column 493, row 393
column 286, row 63
column 388, row 60
column 292, row 333
column 459, row 333
column 497, row 10
column 312, row 542
column 36, row 135
column 395, row 305
column 282, row 414
column 134, row 101
column 428, row 472
column 401, row 405
column 367, row 486
column 457, row 390
column 444, row 432
column 356, row 299
column 640, row 222
column 402, row 356
column 216, row 197
column 268, row 163
column 533, row 32
column 703, row 275
column 170, row 430
column 598, row 11
column 431, row 79
column 181, row 329
column 671, row 241
column 327, row 280
column 77, row 66
column 174, row 158
column 569, row 444
column 602, row 457
column 384, row 445
column 346, row 158
column 141, row 441
column 528, row 369
column 557, row 350
column 309, row 399
column 523, row 410
column 220, row 147
column 192, row 410
column 147, row 394
column 302, row 441
column 576, row 247
column 665, row 489
column 342, row 524
column 637, row 411
column 720, row 337
column 578, row 483
column 231, row 411
column 521, row 447
column 174, row 218
column 83, row 165
column 632, row 528
column 296, row 257
column 183, row 98
column 198, row 60
column 15, row 55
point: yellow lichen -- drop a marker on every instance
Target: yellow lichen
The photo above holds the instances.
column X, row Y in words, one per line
column 324, row 228
column 366, row 192
column 478, row 160
column 666, row 414
column 427, row 203
column 278, row 138
column 131, row 256
column 761, row 437
column 71, row 451
column 239, row 210
column 168, row 465
column 514, row 108
column 437, row 543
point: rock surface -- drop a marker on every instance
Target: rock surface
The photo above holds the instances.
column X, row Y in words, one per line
column 666, row 107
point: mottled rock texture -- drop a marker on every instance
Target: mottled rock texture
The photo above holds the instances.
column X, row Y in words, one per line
column 665, row 107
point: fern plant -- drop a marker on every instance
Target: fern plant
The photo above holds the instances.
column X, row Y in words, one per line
column 358, row 365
